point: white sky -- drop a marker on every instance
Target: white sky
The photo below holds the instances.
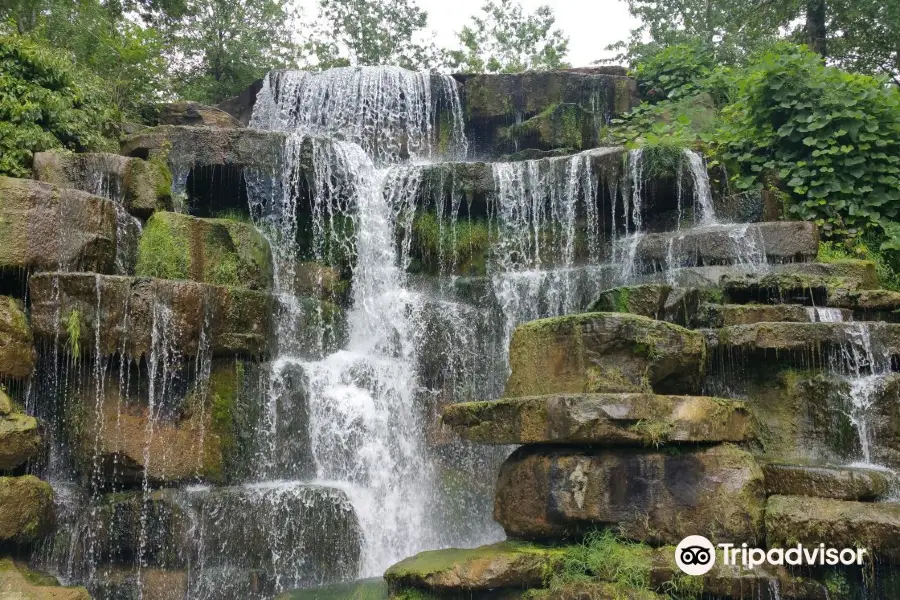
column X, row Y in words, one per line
column 590, row 24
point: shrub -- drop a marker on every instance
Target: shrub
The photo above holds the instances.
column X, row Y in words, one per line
column 830, row 139
column 46, row 102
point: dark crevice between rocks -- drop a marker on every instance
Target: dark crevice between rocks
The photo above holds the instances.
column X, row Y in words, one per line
column 217, row 190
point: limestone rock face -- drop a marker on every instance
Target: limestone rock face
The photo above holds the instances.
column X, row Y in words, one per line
column 20, row 440
column 26, row 509
column 604, row 352
column 47, row 228
column 503, row 565
column 867, row 301
column 17, row 354
column 196, row 115
column 217, row 251
column 649, row 496
column 234, row 320
column 142, row 187
column 780, row 241
column 838, row 483
column 647, row 300
column 837, row 523
column 17, row 582
column 602, row 419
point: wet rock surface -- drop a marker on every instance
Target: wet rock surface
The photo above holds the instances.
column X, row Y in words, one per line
column 642, row 494
column 17, row 352
column 195, row 114
column 26, row 509
column 18, row 582
column 233, row 320
column 647, row 300
column 600, row 419
column 604, row 352
column 46, row 228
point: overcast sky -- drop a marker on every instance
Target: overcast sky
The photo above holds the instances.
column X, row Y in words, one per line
column 590, row 24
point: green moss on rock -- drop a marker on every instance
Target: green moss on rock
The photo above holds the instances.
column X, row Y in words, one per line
column 26, row 509
column 17, row 353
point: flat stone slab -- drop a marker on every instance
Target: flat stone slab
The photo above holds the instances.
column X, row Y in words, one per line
column 503, row 565
column 601, row 419
column 726, row 315
column 865, row 300
column 777, row 241
column 604, row 352
column 234, row 320
column 643, row 495
column 874, row 526
column 186, row 146
column 772, row 337
column 783, row 288
column 838, row 483
column 46, row 228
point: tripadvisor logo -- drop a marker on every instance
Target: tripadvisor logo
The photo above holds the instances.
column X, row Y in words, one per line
column 696, row 555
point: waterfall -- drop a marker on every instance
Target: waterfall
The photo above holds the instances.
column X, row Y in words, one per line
column 865, row 366
column 390, row 112
column 365, row 422
column 633, row 216
column 703, row 202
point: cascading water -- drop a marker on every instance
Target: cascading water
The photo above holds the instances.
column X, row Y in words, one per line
column 703, row 202
column 633, row 216
column 365, row 426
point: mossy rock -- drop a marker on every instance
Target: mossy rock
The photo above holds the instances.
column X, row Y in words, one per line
column 26, row 509
column 216, row 251
column 648, row 300
column 503, row 565
column 601, row 419
column 369, row 589
column 726, row 315
column 18, row 582
column 780, row 287
column 545, row 493
column 837, row 483
column 836, row 523
column 604, row 352
column 797, row 342
column 20, row 440
column 17, row 353
column 557, row 126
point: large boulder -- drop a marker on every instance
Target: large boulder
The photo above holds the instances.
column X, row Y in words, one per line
column 18, row 582
column 20, row 439
column 839, row 483
column 777, row 241
column 604, row 352
column 69, row 307
column 649, row 496
column 504, row 565
column 836, row 523
column 196, row 115
column 45, row 228
column 142, row 187
column 217, row 251
column 17, row 353
column 26, row 509
column 600, row 419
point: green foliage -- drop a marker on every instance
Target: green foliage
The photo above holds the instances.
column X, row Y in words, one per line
column 46, row 102
column 829, row 138
column 73, row 329
column 222, row 46
column 675, row 72
column 370, row 33
column 505, row 39
column 162, row 254
column 602, row 556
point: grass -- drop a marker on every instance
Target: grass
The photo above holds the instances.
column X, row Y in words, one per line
column 73, row 328
column 161, row 252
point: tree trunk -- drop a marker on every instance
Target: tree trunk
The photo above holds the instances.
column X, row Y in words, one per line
column 816, row 30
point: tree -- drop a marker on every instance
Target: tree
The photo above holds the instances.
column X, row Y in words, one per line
column 221, row 46
column 371, row 32
column 506, row 39
column 857, row 34
column 124, row 54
